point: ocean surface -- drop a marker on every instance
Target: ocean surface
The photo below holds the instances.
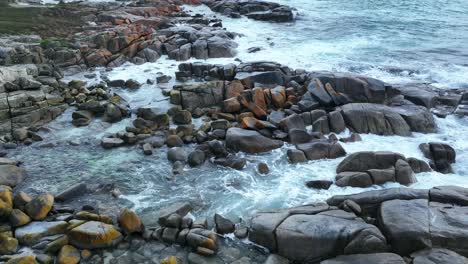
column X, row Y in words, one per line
column 393, row 40
column 396, row 41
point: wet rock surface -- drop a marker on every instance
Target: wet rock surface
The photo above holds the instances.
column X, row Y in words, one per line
column 224, row 117
column 258, row 10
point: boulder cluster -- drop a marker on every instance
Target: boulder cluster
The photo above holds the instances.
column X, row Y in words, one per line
column 62, row 234
column 29, row 98
column 258, row 10
column 386, row 226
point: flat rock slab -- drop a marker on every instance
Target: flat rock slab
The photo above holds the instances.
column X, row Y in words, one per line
column 380, row 258
column 418, row 224
column 438, row 256
column 250, row 141
column 93, row 234
column 34, row 231
column 313, row 233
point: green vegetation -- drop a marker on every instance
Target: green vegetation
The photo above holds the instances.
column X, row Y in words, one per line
column 58, row 21
column 18, row 20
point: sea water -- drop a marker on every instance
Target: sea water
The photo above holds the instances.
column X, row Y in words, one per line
column 396, row 41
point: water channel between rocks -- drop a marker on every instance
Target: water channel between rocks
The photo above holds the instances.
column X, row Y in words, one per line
column 212, row 189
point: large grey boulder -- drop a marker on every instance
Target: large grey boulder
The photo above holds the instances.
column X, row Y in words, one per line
column 375, row 119
column 449, row 195
column 355, row 87
column 249, row 141
column 380, row 258
column 312, row 233
column 418, row 224
column 437, row 256
column 310, row 238
column 366, row 160
column 406, row 224
column 322, row 150
column 449, row 227
column 419, row 94
column 370, row 201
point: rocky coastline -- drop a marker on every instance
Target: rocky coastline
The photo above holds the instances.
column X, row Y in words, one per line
column 218, row 113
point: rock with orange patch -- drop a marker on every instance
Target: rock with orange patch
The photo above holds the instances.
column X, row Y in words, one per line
column 130, row 222
column 234, row 89
column 245, row 114
column 93, row 234
column 259, row 98
column 231, row 105
column 258, row 112
column 68, row 255
column 22, row 260
column 254, row 123
column 39, row 207
column 278, row 96
column 171, row 260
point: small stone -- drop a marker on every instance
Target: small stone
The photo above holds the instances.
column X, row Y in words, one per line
column 132, row 84
column 182, row 117
column 130, row 222
column 19, row 218
column 174, row 220
column 319, row 184
column 170, row 234
column 8, row 244
column 39, row 207
column 22, row 260
column 108, row 143
column 147, row 149
column 57, row 244
column 176, row 154
column 263, row 168
column 68, row 255
column 85, row 254
column 171, row 260
column 204, row 251
column 296, row 156
column 196, row 158
column 174, row 141
column 241, row 233
column 223, row 225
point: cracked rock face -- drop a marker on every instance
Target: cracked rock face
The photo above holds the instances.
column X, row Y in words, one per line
column 300, row 233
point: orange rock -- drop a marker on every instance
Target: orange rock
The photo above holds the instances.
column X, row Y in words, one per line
column 39, row 207
column 292, row 99
column 278, row 96
column 93, row 234
column 259, row 98
column 245, row 114
column 68, row 255
column 130, row 222
column 254, row 123
column 234, row 89
column 258, row 112
column 231, row 105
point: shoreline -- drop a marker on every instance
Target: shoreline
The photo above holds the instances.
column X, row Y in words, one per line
column 251, row 107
